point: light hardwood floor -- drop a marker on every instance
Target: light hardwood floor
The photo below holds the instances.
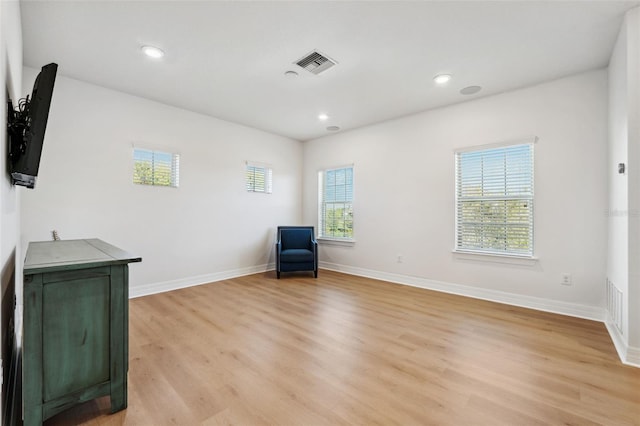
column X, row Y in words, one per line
column 348, row 350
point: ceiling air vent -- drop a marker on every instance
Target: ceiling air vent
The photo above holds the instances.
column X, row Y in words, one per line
column 316, row 62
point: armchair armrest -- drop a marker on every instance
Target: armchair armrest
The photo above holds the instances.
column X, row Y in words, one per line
column 314, row 246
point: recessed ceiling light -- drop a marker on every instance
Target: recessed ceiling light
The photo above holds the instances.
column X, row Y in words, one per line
column 153, row 52
column 323, row 117
column 442, row 78
column 333, row 128
column 470, row 90
column 290, row 74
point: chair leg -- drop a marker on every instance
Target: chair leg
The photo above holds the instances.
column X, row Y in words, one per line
column 278, row 274
column 315, row 273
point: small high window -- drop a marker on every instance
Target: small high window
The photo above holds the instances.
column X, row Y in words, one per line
column 259, row 178
column 155, row 168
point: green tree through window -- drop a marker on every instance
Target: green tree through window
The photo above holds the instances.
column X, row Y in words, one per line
column 336, row 203
column 494, row 200
column 155, row 168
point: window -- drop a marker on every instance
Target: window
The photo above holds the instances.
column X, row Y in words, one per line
column 155, row 168
column 494, row 200
column 335, row 189
column 259, row 178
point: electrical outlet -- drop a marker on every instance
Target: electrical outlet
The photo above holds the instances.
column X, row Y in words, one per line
column 566, row 279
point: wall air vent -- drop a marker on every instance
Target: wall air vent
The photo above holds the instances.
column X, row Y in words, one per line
column 316, row 62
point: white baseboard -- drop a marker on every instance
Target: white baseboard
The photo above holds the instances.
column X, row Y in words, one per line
column 540, row 304
column 547, row 305
column 632, row 357
column 160, row 287
column 628, row 354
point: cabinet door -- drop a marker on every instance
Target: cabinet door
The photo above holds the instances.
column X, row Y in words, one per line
column 75, row 338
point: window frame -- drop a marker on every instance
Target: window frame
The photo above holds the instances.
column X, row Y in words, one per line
column 268, row 177
column 492, row 252
column 321, row 206
column 173, row 164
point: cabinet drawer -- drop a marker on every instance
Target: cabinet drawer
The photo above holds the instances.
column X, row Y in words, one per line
column 76, row 274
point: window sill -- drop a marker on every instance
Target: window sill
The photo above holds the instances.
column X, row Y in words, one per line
column 335, row 242
column 495, row 258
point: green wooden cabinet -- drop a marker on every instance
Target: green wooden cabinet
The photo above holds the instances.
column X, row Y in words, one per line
column 75, row 327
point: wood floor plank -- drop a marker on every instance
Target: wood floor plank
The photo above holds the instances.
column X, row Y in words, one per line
column 341, row 350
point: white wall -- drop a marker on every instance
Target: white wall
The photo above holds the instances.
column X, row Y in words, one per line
column 404, row 192
column 208, row 226
column 618, row 221
column 10, row 265
column 623, row 265
column 11, row 69
column 633, row 69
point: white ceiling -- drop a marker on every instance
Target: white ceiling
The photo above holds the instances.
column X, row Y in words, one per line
column 227, row 59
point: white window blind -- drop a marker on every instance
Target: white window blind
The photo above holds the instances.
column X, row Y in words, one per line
column 155, row 168
column 259, row 178
column 494, row 200
column 335, row 200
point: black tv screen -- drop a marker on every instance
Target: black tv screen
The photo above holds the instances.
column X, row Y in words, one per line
column 27, row 125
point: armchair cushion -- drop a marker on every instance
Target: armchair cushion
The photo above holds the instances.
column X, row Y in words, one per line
column 296, row 256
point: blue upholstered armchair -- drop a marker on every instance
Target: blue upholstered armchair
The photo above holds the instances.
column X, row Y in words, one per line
column 296, row 250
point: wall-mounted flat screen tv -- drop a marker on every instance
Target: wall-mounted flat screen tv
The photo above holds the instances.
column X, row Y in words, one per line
column 26, row 127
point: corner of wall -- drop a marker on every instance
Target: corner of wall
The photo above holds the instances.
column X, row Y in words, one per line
column 11, row 75
column 623, row 252
column 628, row 355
